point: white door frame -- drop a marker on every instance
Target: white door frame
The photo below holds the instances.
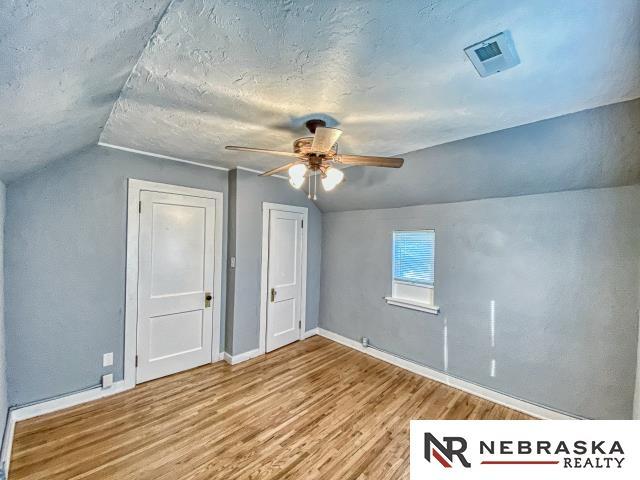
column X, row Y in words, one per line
column 131, row 299
column 636, row 399
column 266, row 210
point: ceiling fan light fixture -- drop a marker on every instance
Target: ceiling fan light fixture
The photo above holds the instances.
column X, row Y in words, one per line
column 317, row 154
column 331, row 178
column 296, row 182
column 296, row 175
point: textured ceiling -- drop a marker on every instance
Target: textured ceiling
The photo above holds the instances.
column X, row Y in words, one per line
column 393, row 74
column 63, row 64
column 589, row 149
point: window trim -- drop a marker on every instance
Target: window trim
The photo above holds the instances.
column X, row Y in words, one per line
column 409, row 303
column 413, row 305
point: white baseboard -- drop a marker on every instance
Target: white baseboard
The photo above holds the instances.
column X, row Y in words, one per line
column 469, row 387
column 241, row 357
column 312, row 332
column 51, row 406
column 67, row 401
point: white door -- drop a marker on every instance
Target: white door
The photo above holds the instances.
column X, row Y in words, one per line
column 175, row 283
column 284, row 278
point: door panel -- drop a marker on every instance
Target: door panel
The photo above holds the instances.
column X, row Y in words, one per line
column 178, row 247
column 175, row 334
column 284, row 316
column 176, row 258
column 284, row 278
column 284, row 240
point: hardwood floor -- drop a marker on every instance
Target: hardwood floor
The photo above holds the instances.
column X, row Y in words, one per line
column 311, row 410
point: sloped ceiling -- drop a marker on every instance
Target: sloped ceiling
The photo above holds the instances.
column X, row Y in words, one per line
column 392, row 73
column 589, row 149
column 63, row 64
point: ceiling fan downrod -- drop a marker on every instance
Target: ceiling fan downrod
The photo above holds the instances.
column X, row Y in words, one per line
column 313, row 124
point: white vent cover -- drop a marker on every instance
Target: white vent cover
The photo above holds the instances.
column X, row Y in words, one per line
column 494, row 54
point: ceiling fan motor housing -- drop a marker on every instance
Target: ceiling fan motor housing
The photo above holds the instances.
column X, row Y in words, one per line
column 303, row 147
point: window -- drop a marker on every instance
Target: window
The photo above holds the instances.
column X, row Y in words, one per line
column 413, row 270
column 413, row 257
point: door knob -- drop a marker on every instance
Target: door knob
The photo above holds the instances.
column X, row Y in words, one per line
column 207, row 299
column 273, row 295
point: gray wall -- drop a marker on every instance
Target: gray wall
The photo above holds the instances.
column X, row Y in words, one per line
column 562, row 269
column 245, row 243
column 590, row 149
column 636, row 401
column 3, row 363
column 231, row 252
column 65, row 267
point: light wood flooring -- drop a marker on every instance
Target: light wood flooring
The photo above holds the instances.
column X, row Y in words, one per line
column 312, row 410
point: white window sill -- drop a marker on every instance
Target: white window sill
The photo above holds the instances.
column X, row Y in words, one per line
column 413, row 305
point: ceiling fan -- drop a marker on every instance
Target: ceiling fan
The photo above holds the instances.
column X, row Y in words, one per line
column 318, row 155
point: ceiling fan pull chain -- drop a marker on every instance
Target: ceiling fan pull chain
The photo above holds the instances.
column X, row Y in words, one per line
column 315, row 187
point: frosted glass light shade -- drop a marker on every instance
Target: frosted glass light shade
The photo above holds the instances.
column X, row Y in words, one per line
column 296, row 182
column 332, row 177
column 296, row 175
column 298, row 170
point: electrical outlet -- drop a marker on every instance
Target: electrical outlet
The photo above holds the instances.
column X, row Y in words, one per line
column 233, row 262
column 107, row 359
column 107, row 380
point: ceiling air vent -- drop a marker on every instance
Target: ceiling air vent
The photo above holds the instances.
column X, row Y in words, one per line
column 493, row 55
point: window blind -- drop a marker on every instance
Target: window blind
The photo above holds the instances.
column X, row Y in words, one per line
column 413, row 256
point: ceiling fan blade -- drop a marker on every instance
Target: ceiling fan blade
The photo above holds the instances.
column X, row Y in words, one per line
column 279, row 169
column 324, row 139
column 365, row 161
column 263, row 150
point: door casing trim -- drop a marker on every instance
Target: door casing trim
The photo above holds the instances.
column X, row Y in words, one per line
column 266, row 209
column 136, row 186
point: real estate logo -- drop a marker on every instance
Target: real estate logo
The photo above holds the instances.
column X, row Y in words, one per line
column 504, row 449
column 455, row 447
